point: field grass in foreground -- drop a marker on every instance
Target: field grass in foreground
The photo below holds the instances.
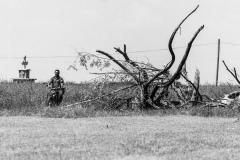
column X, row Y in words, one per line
column 138, row 137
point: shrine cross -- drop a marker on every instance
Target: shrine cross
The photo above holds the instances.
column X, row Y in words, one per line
column 25, row 62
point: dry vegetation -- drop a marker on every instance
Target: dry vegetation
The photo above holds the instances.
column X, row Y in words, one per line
column 217, row 92
column 29, row 99
column 169, row 133
column 151, row 89
column 138, row 137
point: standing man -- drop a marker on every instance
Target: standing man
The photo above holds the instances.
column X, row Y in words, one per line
column 56, row 84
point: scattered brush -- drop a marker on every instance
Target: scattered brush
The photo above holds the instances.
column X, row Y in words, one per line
column 29, row 99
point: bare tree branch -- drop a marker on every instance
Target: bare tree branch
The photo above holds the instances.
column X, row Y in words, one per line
column 118, row 63
column 233, row 74
column 94, row 99
column 196, row 89
column 140, row 63
column 177, row 73
column 171, row 49
column 112, row 73
column 124, row 54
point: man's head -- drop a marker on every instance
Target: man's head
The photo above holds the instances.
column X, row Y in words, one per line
column 57, row 72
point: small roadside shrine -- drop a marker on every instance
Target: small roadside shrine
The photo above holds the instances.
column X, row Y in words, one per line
column 24, row 74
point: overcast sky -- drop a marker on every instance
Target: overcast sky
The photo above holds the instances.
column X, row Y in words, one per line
column 43, row 28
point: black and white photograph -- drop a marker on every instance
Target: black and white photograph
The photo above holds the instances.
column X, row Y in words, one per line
column 119, row 80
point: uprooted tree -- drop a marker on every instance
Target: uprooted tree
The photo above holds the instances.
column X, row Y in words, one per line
column 153, row 83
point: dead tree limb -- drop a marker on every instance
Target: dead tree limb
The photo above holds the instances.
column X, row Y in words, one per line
column 119, row 64
column 134, row 64
column 179, row 69
column 183, row 61
column 235, row 76
column 193, row 85
column 169, row 65
column 97, row 98
column 106, row 73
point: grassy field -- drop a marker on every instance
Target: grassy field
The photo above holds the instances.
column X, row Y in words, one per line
column 29, row 99
column 136, row 137
column 25, row 97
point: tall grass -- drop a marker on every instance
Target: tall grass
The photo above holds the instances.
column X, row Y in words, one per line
column 17, row 96
column 217, row 92
column 29, row 99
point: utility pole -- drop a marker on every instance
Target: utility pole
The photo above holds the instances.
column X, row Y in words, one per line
column 218, row 55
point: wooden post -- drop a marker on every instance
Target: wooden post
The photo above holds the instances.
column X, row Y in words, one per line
column 218, row 62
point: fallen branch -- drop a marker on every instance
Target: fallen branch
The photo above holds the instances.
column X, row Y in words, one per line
column 112, row 73
column 94, row 99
